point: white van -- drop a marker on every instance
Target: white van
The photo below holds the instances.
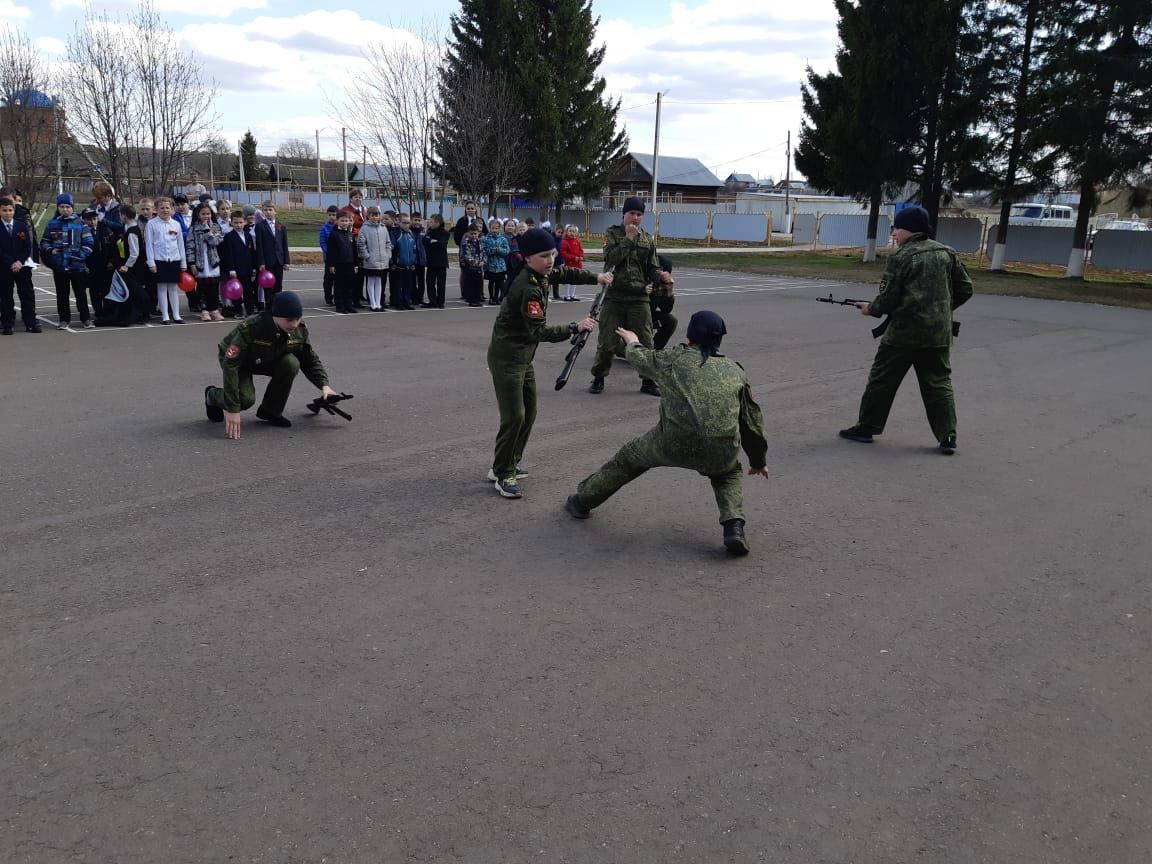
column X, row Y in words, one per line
column 1048, row 215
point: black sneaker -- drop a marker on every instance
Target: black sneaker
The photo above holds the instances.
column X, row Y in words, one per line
column 35, row 329
column 215, row 413
column 597, row 385
column 948, row 445
column 7, row 331
column 273, row 419
column 855, row 433
column 734, row 540
column 650, row 387
column 575, row 509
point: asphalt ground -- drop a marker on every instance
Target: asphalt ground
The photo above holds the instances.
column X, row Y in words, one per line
column 336, row 643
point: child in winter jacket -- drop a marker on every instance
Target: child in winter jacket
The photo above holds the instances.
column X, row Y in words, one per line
column 66, row 246
column 573, row 253
column 472, row 261
column 436, row 250
column 201, row 249
column 374, row 248
column 496, row 252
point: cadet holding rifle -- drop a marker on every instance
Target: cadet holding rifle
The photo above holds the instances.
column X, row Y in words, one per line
column 521, row 325
column 922, row 285
column 273, row 343
column 630, row 255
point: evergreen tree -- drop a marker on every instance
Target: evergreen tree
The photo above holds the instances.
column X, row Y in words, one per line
column 1096, row 115
column 542, row 49
column 863, row 122
column 249, row 159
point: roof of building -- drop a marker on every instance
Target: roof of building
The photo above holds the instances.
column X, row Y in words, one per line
column 678, row 170
column 29, row 98
column 741, row 178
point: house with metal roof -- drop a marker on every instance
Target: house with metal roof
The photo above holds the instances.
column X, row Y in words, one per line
column 740, row 183
column 680, row 180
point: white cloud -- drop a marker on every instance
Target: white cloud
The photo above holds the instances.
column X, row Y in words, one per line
column 751, row 55
column 50, row 45
column 168, row 8
column 9, row 11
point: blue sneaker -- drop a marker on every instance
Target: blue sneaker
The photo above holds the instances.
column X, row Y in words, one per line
column 508, row 487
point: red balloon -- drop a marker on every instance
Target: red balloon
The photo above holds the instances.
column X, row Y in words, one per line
column 187, row 282
column 266, row 279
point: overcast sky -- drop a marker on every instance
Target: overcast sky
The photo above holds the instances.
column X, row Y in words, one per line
column 731, row 69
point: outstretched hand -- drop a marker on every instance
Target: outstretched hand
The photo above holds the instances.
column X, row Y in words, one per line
column 865, row 308
column 763, row 472
column 627, row 335
column 604, row 279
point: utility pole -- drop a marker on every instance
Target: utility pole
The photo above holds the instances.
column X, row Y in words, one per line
column 788, row 182
column 656, row 155
column 344, row 145
column 319, row 171
column 243, row 181
column 56, row 122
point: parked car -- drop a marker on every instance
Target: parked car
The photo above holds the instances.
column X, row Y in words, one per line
column 1117, row 225
column 1046, row 215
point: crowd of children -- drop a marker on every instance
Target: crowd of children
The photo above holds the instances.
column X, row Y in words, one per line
column 123, row 264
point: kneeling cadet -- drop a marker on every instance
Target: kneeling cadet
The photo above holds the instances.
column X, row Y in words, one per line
column 706, row 414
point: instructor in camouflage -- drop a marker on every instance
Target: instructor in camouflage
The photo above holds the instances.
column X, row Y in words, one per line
column 706, row 414
column 630, row 255
column 273, row 343
column 923, row 284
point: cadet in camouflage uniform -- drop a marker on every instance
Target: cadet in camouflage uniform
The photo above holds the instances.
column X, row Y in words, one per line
column 273, row 343
column 707, row 414
column 923, row 284
column 521, row 324
column 630, row 255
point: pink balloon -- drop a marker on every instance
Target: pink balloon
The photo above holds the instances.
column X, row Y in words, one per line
column 266, row 279
column 232, row 290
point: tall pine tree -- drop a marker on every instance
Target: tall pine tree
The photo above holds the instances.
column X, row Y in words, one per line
column 544, row 49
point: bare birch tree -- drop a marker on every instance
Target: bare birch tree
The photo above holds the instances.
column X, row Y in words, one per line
column 170, row 98
column 388, row 112
column 99, row 105
column 475, row 130
column 29, row 119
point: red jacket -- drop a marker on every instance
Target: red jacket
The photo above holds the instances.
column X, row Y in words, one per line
column 573, row 252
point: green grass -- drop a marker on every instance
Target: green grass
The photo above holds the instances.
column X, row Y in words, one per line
column 1109, row 288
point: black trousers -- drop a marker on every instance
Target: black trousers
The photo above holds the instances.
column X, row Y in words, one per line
column 473, row 286
column 22, row 282
column 402, row 285
column 419, row 285
column 495, row 287
column 329, row 282
column 663, row 321
column 344, row 286
column 437, row 283
column 76, row 283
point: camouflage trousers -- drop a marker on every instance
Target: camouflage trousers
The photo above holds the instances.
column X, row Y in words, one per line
column 636, row 317
column 275, row 395
column 932, row 371
column 718, row 460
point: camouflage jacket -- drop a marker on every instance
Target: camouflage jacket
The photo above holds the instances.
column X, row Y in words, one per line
column 632, row 263
column 522, row 322
column 254, row 347
column 703, row 405
column 923, row 283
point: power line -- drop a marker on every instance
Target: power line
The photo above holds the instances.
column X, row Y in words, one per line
column 735, row 101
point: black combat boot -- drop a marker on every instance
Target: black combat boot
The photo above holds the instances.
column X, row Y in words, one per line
column 273, row 419
column 948, row 445
column 575, row 509
column 734, row 540
column 647, row 385
column 855, row 433
column 215, row 413
column 597, row 385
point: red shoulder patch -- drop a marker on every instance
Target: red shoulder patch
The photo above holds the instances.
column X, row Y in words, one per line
column 233, row 352
column 535, row 309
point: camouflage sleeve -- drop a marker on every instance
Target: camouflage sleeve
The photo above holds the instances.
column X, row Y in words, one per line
column 643, row 359
column 616, row 249
column 572, row 276
column 310, row 363
column 752, row 429
column 532, row 310
column 890, row 289
column 652, row 267
column 232, row 350
column 961, row 283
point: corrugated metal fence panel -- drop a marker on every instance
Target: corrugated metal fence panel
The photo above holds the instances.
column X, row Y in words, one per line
column 684, row 226
column 1122, row 250
column 602, row 219
column 1031, row 244
column 843, row 229
column 804, row 229
column 743, row 227
column 771, row 205
column 963, row 235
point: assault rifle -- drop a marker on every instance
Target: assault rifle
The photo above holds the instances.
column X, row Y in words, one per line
column 329, row 405
column 578, row 341
column 877, row 331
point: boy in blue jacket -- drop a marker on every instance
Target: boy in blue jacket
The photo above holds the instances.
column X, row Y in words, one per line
column 405, row 257
column 66, row 247
column 326, row 229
